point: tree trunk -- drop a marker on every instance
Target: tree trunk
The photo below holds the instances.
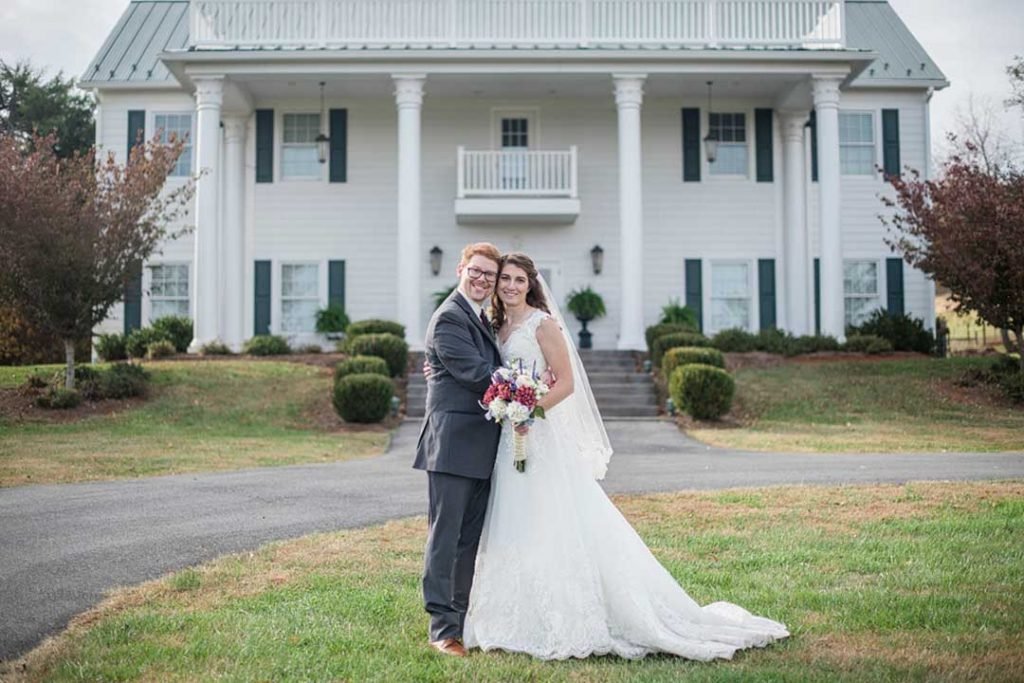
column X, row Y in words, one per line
column 69, row 356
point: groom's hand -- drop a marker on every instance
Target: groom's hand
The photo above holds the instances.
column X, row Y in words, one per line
column 427, row 370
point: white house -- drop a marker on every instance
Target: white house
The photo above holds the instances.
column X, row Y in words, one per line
column 546, row 126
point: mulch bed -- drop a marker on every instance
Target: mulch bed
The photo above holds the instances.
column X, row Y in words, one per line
column 18, row 405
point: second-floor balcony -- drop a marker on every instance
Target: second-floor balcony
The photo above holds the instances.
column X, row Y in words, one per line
column 537, row 24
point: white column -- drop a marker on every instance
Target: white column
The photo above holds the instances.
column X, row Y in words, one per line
column 233, row 242
column 794, row 222
column 826, row 104
column 205, row 297
column 409, row 100
column 629, row 95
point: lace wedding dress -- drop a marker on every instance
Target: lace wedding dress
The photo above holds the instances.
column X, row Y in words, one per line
column 560, row 572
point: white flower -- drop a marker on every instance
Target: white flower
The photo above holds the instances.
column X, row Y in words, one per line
column 524, row 381
column 517, row 413
column 497, row 408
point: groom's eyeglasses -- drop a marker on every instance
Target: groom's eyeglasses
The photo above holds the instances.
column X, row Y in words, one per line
column 475, row 273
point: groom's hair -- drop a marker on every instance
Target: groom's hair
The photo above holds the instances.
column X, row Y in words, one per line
column 485, row 249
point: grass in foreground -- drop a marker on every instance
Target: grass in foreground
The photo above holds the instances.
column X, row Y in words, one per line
column 870, row 406
column 883, row 583
column 201, row 416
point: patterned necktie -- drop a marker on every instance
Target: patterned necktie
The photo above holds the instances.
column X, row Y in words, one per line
column 485, row 321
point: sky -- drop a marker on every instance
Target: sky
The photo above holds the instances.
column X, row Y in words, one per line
column 972, row 41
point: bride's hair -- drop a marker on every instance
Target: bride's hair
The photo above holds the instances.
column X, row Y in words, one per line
column 535, row 295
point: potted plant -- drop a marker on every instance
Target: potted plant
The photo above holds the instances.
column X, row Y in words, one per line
column 586, row 305
column 332, row 321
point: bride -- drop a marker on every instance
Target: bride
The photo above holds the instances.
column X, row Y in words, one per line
column 559, row 572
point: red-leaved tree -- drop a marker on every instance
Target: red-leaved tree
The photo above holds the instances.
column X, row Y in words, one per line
column 72, row 229
column 966, row 230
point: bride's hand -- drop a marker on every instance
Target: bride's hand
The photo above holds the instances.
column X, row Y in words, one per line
column 549, row 378
column 523, row 429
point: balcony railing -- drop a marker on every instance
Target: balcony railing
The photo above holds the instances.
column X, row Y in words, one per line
column 231, row 24
column 517, row 173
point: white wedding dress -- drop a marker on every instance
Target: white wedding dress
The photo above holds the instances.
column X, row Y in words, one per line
column 560, row 572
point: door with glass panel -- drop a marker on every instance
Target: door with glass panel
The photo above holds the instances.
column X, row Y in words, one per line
column 515, row 142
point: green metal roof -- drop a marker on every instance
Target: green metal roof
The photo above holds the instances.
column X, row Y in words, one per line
column 902, row 62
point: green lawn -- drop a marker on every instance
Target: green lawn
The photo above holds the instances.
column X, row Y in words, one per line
column 201, row 416
column 923, row 582
column 866, row 406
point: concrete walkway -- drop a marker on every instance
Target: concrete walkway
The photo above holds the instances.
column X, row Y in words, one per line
column 62, row 547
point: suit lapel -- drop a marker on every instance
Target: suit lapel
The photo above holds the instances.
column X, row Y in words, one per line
column 488, row 333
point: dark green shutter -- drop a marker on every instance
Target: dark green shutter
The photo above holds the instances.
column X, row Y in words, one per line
column 691, row 145
column 814, row 146
column 894, row 285
column 133, row 299
column 694, row 299
column 136, row 129
column 264, row 145
column 763, row 142
column 339, row 145
column 262, row 311
column 766, row 291
column 336, row 283
column 891, row 141
column 817, row 296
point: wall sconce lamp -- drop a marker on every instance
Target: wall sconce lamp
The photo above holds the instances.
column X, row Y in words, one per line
column 711, row 139
column 323, row 143
column 597, row 259
column 435, row 260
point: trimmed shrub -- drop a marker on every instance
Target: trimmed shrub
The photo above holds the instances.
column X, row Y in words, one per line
column 674, row 340
column 686, row 355
column 309, row 348
column 811, row 344
column 374, row 326
column 178, row 329
column 161, row 349
column 774, row 341
column 111, row 347
column 361, row 365
column 123, row 380
column 867, row 343
column 59, row 398
column 1013, row 386
column 267, row 345
column 735, row 340
column 138, row 341
column 903, row 332
column 391, row 348
column 363, row 397
column 703, row 391
column 215, row 348
column 653, row 332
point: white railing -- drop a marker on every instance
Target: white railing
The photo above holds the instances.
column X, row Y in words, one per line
column 230, row 24
column 517, row 173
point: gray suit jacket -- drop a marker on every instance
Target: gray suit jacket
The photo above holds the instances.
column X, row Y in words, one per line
column 456, row 438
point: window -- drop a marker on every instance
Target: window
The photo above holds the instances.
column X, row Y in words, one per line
column 856, row 144
column 300, row 297
column 168, row 291
column 730, row 296
column 299, row 157
column 178, row 126
column 731, row 131
column 860, row 290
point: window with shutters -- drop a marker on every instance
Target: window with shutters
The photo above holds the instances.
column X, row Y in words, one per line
column 860, row 290
column 299, row 157
column 730, row 296
column 178, row 127
column 856, row 143
column 300, row 296
column 731, row 131
column 168, row 291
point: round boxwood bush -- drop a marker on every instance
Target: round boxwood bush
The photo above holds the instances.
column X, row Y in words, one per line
column 214, row 348
column 363, row 397
column 267, row 345
column 811, row 343
column 111, row 347
column 735, row 340
column 867, row 343
column 374, row 326
column 661, row 329
column 703, row 391
column 685, row 355
column 123, row 380
column 904, row 332
column 178, row 329
column 160, row 349
column 361, row 365
column 138, row 341
column 59, row 398
column 391, row 348
column 675, row 340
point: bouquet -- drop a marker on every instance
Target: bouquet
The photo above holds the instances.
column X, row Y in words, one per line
column 513, row 397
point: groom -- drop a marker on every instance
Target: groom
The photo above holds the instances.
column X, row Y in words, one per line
column 457, row 446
